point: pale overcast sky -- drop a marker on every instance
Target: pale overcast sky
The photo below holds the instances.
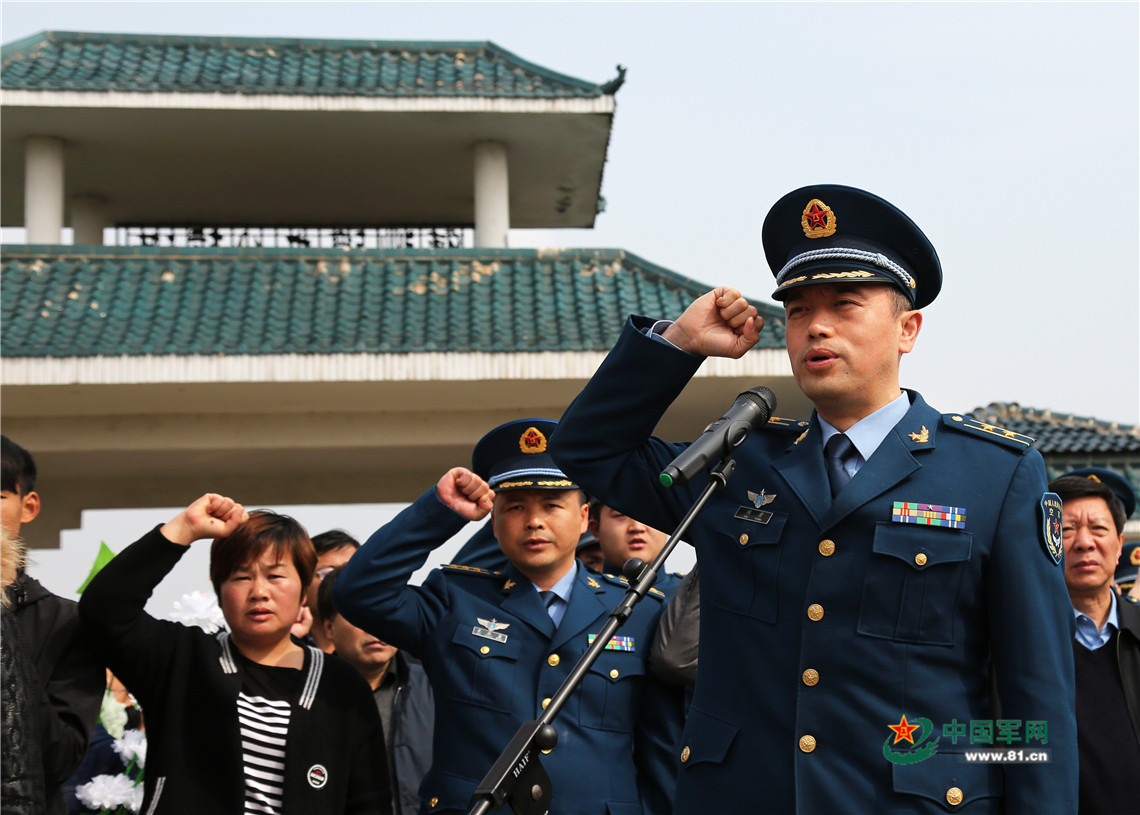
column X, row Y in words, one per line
column 1008, row 132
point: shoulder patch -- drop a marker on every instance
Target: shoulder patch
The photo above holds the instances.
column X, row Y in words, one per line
column 777, row 423
column 1051, row 513
column 993, row 433
column 459, row 567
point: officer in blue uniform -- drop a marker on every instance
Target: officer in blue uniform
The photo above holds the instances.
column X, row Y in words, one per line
column 853, row 610
column 497, row 645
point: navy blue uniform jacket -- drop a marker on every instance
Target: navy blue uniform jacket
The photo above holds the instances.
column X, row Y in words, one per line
column 823, row 623
column 612, row 757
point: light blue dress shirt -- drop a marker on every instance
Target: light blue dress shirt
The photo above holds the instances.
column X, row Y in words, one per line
column 1088, row 634
column 562, row 590
column 868, row 433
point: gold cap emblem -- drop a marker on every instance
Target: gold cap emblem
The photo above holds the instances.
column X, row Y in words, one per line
column 818, row 220
column 532, row 441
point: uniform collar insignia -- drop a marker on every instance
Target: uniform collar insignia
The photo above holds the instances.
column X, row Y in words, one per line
column 510, row 584
column 801, row 437
column 592, row 583
column 921, row 437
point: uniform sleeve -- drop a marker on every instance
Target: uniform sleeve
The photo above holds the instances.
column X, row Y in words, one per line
column 373, row 592
column 138, row 647
column 483, row 551
column 604, row 439
column 1030, row 626
column 673, row 651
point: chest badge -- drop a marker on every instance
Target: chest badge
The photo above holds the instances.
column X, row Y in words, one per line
column 616, row 643
column 909, row 512
column 490, row 629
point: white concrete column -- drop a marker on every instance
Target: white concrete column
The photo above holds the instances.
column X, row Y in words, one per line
column 492, row 195
column 88, row 219
column 43, row 189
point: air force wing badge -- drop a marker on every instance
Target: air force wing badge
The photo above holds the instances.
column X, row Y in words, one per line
column 490, row 629
column 760, row 500
column 1051, row 514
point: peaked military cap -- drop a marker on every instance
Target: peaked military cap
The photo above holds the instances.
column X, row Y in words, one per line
column 513, row 456
column 1114, row 481
column 829, row 233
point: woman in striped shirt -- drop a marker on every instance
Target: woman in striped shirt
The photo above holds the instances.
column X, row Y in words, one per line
column 245, row 721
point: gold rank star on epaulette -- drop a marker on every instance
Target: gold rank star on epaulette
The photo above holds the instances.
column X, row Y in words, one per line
column 989, row 431
column 459, row 567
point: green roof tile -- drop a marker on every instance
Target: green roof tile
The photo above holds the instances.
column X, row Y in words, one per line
column 77, row 61
column 112, row 301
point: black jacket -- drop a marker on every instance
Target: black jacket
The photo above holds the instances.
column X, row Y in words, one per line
column 1128, row 657
column 72, row 676
column 22, row 792
column 413, row 720
column 188, row 682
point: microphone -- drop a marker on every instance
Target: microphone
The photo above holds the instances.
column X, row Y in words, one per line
column 751, row 409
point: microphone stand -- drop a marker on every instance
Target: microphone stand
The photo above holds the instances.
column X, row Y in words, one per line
column 517, row 776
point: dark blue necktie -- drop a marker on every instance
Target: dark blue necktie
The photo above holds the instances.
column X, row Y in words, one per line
column 548, row 599
column 837, row 452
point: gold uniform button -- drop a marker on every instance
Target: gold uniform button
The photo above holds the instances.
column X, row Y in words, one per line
column 433, row 802
column 614, row 673
column 807, row 743
column 811, row 677
column 954, row 796
column 920, row 559
column 743, row 539
column 827, row 548
column 815, row 612
column 545, row 702
column 685, row 754
column 552, row 660
column 547, row 752
column 485, row 650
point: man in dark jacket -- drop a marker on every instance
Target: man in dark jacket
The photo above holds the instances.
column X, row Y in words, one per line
column 1106, row 644
column 70, row 673
column 402, row 693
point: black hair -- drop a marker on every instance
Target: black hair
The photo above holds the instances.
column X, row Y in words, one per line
column 325, row 604
column 333, row 539
column 1070, row 487
column 19, row 467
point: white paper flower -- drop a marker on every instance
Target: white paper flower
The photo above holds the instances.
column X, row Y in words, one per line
column 200, row 609
column 108, row 792
column 132, row 747
column 113, row 715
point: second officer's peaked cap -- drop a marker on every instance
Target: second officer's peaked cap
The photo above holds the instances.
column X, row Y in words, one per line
column 829, row 233
column 513, row 456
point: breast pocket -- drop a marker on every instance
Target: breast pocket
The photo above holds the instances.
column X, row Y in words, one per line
column 479, row 669
column 911, row 589
column 748, row 557
column 611, row 691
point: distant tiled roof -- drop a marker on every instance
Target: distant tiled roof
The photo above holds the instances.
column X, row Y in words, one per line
column 1062, row 433
column 1070, row 442
column 135, row 301
column 77, row 61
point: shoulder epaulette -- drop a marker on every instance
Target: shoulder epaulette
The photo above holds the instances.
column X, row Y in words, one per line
column 459, row 567
column 623, row 582
column 1128, row 598
column 991, row 432
column 776, row 423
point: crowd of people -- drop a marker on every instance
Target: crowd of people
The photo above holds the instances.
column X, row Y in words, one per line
column 883, row 592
